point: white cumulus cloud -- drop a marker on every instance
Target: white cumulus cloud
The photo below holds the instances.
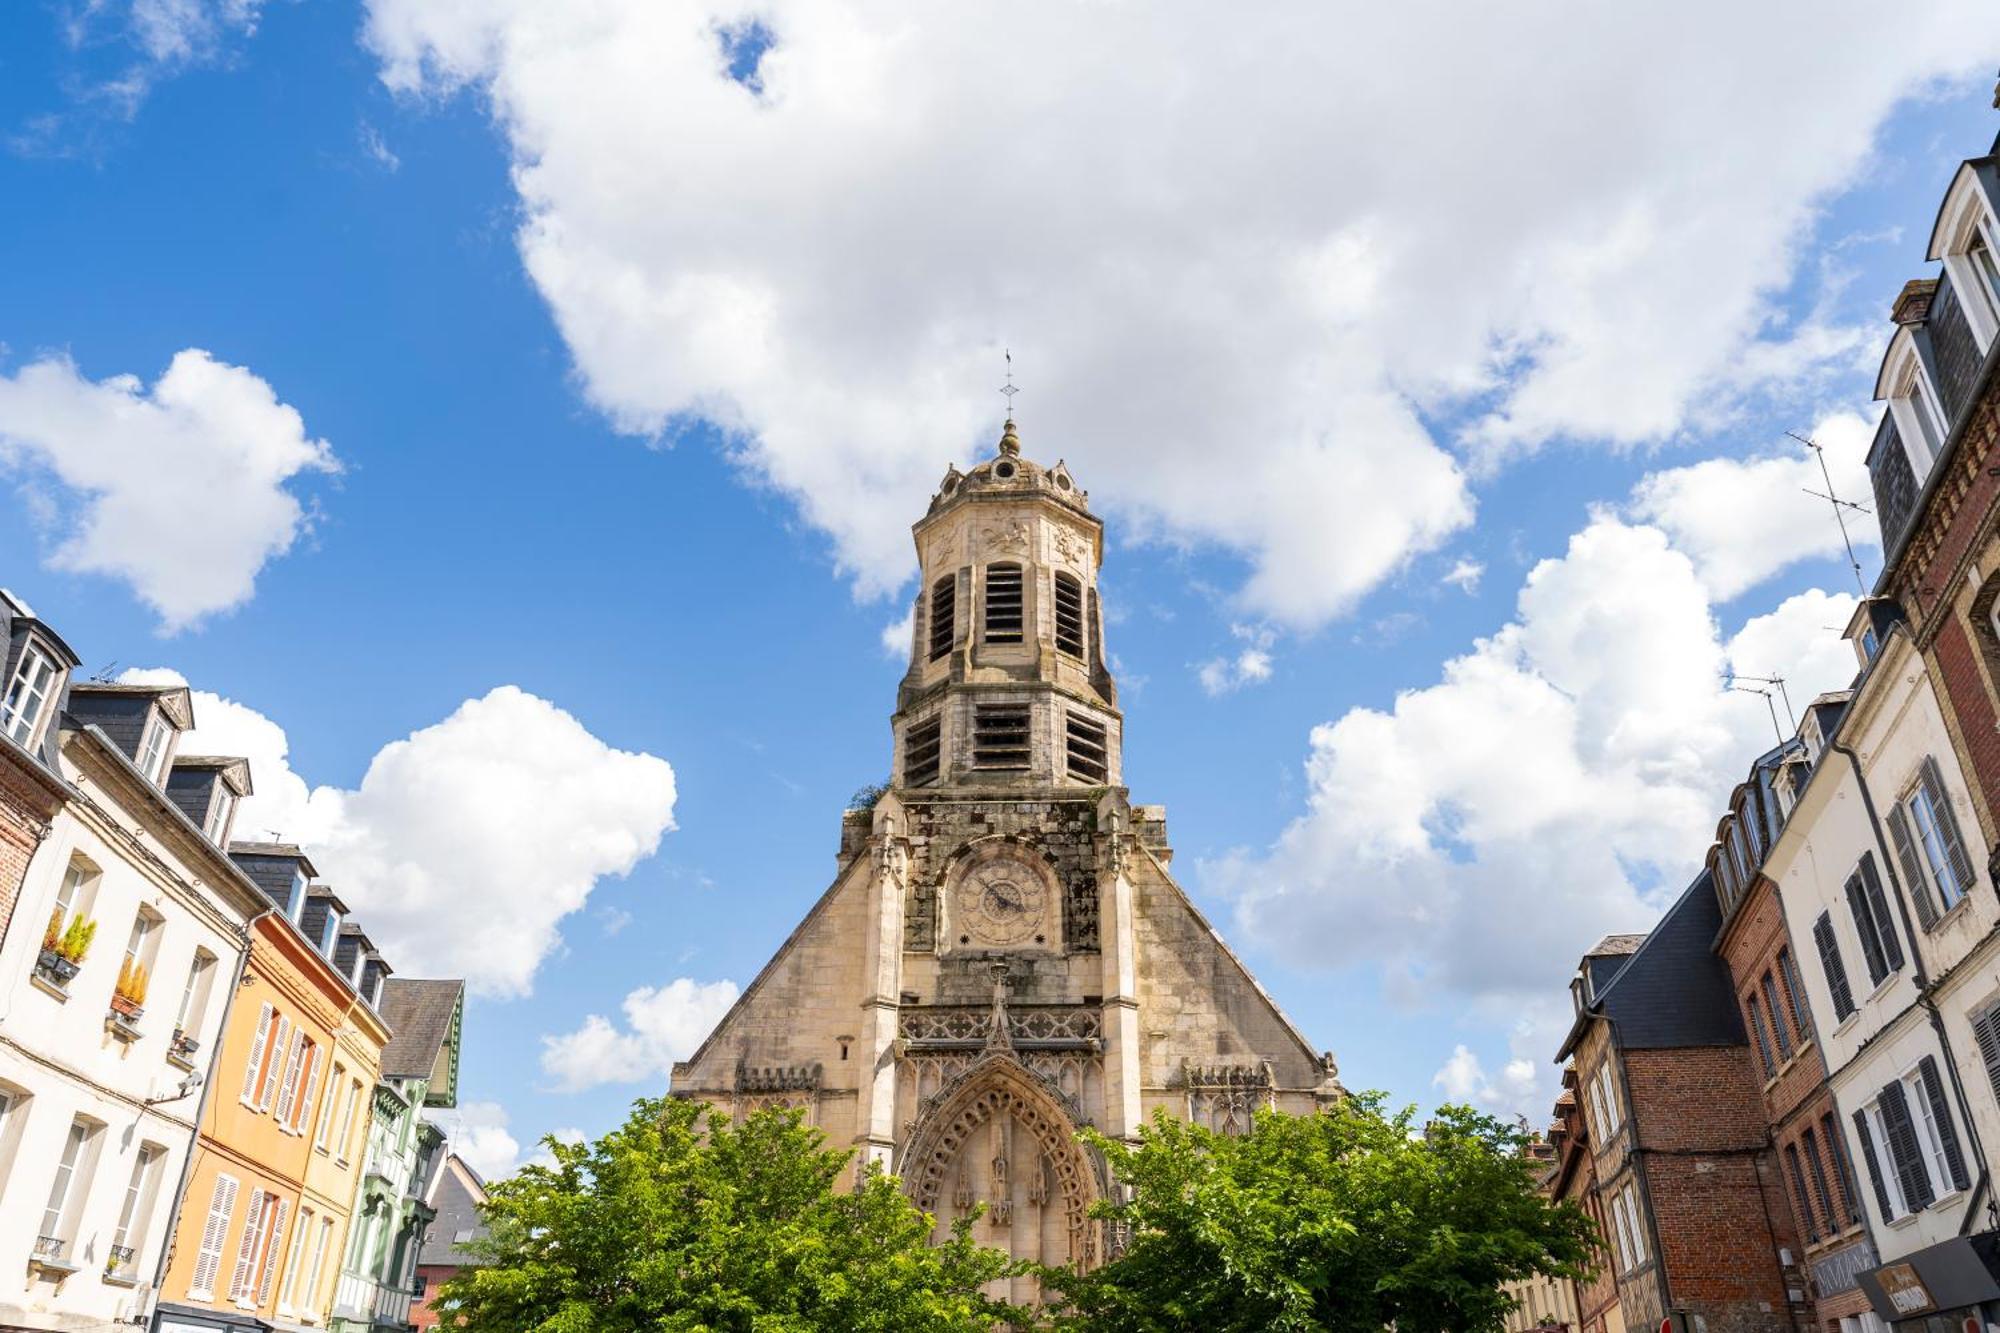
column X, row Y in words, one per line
column 179, row 490
column 1560, row 781
column 478, row 1132
column 467, row 842
column 662, row 1024
column 826, row 258
column 1744, row 519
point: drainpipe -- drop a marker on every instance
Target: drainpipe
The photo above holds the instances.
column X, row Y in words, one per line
column 200, row 1115
column 1924, row 997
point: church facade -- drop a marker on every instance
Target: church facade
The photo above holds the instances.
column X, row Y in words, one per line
column 1004, row 956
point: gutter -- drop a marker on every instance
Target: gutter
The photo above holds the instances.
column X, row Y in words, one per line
column 200, row 1116
column 1925, row 998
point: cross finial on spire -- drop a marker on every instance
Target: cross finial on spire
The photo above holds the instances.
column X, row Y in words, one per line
column 1009, row 388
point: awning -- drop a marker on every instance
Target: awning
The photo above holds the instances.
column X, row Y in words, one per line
column 171, row 1318
column 1951, row 1275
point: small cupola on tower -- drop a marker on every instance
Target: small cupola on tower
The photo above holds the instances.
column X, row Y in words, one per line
column 1007, row 684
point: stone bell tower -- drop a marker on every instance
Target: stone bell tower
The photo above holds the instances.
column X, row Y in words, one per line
column 1003, row 957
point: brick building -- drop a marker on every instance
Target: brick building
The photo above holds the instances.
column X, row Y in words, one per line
column 450, row 1241
column 1695, row 1212
column 1574, row 1181
column 1806, row 1132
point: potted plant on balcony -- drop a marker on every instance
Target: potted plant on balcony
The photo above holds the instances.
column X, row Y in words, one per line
column 63, row 947
column 128, row 997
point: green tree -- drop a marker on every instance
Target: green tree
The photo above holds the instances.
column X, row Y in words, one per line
column 1351, row 1220
column 679, row 1221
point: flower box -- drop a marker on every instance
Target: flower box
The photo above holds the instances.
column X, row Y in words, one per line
column 56, row 968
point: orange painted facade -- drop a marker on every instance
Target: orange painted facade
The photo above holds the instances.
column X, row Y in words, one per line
column 264, row 1220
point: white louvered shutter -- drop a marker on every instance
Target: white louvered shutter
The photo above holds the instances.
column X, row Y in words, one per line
column 274, row 1243
column 257, row 1047
column 274, row 1066
column 312, row 1069
column 246, row 1253
column 208, row 1260
column 288, row 1091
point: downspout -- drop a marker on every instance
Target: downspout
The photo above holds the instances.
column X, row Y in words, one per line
column 201, row 1115
column 1924, row 997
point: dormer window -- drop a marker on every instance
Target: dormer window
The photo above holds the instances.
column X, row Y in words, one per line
column 1967, row 240
column 220, row 812
column 153, row 746
column 295, row 901
column 1871, row 644
column 1920, row 418
column 28, row 695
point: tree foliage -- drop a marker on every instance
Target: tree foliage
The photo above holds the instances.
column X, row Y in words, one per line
column 678, row 1221
column 1350, row 1220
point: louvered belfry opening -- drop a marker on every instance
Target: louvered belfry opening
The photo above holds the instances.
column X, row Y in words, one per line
column 1003, row 604
column 944, row 605
column 1000, row 736
column 921, row 746
column 1069, row 615
column 1084, row 755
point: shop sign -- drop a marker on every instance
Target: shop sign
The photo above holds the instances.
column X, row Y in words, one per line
column 1905, row 1290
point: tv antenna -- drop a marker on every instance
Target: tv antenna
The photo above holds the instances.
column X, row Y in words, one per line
column 1777, row 683
column 1752, row 689
column 1840, row 506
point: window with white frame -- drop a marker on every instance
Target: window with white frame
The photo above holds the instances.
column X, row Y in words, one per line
column 26, row 702
column 1881, row 947
column 1968, row 242
column 153, row 745
column 343, row 1143
column 195, row 994
column 263, row 1230
column 321, row 1244
column 133, row 1211
column 334, row 1085
column 142, row 946
column 1919, row 413
column 1930, row 845
column 1608, row 1094
column 78, row 892
column 1913, row 1151
column 295, row 1263
column 68, row 1189
column 220, row 810
column 267, row 1052
column 13, row 1120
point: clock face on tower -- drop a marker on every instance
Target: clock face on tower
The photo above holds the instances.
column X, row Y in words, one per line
column 1001, row 903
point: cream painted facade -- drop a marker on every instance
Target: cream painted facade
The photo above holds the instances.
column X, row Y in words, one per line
column 99, row 1113
column 1843, row 869
column 1004, row 956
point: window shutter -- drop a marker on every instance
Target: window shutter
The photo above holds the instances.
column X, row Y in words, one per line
column 1809, row 1147
column 257, row 1046
column 1954, row 844
column 1836, row 971
column 267, row 1087
column 1788, row 977
column 288, row 1089
column 1805, row 1204
column 1913, row 870
column 208, row 1260
column 1878, row 906
column 1069, row 615
column 1864, row 926
column 1904, row 1149
column 1003, row 603
column 1986, row 1031
column 1778, row 1029
column 314, row 1067
column 246, row 1253
column 1843, row 1166
column 1874, row 1167
column 1941, row 1113
column 275, row 1239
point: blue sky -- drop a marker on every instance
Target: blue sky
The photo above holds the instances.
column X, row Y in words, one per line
column 685, row 537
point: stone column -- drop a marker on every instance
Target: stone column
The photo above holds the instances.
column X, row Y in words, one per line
column 881, row 987
column 1117, row 938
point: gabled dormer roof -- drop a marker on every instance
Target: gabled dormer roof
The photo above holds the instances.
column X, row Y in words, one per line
column 423, row 1015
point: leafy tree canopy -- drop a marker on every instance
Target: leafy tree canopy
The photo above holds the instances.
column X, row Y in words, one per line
column 679, row 1222
column 1351, row 1220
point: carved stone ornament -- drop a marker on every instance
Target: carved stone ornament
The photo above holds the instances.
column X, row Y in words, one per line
column 1071, row 546
column 1011, row 535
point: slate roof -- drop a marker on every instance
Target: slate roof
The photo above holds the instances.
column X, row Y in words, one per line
column 456, row 1197
column 419, row 1013
column 1673, row 991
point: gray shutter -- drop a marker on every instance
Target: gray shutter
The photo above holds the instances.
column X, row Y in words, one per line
column 1913, row 870
column 1836, row 971
column 1941, row 1113
column 1864, row 928
column 1878, row 905
column 1954, row 844
column 1874, row 1170
column 1986, row 1031
column 1771, row 1006
column 1904, row 1149
column 1763, row 1043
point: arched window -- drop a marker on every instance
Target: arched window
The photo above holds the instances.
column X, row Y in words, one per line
column 1003, row 603
column 1967, row 239
column 944, row 603
column 1069, row 615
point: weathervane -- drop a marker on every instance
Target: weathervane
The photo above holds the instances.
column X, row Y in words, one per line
column 1009, row 387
